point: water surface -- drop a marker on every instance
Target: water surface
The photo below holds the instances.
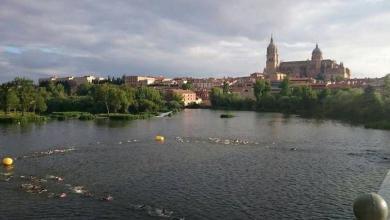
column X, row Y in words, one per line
column 253, row 166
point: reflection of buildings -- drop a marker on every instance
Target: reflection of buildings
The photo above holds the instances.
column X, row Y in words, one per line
column 317, row 67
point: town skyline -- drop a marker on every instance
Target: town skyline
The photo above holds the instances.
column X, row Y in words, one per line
column 40, row 39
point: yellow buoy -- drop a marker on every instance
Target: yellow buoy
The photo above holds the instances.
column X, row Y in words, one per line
column 7, row 161
column 159, row 138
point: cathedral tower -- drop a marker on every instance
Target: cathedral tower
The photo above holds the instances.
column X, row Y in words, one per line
column 272, row 63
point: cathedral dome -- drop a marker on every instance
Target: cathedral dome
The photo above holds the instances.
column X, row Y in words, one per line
column 317, row 50
column 317, row 54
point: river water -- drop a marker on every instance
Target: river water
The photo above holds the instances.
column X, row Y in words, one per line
column 253, row 166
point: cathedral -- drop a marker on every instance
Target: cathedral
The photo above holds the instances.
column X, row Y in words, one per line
column 317, row 67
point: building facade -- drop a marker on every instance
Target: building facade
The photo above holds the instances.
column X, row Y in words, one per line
column 316, row 67
column 138, row 80
column 188, row 96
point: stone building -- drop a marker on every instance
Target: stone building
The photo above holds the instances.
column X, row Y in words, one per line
column 317, row 67
column 139, row 80
column 188, row 96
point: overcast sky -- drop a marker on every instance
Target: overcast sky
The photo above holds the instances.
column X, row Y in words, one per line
column 187, row 38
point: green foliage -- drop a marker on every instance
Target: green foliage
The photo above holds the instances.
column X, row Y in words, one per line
column 187, row 86
column 72, row 115
column 55, row 90
column 261, row 88
column 354, row 105
column 84, row 89
column 117, row 116
column 227, row 116
column 19, row 118
column 225, row 88
column 51, row 98
column 9, row 99
column 285, row 87
column 26, row 93
column 222, row 100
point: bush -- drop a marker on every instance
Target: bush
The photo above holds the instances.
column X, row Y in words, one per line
column 127, row 116
column 72, row 115
column 86, row 116
column 18, row 118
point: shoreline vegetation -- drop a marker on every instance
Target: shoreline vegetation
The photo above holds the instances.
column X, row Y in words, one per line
column 368, row 107
column 22, row 102
column 227, row 116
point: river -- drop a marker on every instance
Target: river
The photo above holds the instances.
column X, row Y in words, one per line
column 253, row 166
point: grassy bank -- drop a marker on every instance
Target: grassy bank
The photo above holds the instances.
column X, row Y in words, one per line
column 385, row 125
column 72, row 115
column 19, row 118
column 31, row 117
column 119, row 116
column 89, row 116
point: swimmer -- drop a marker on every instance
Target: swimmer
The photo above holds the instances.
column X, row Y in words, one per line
column 78, row 189
column 57, row 178
column 107, row 198
column 62, row 195
column 42, row 191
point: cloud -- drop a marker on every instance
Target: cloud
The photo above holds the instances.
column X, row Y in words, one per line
column 197, row 38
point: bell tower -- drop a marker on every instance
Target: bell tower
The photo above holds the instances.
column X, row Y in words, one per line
column 272, row 63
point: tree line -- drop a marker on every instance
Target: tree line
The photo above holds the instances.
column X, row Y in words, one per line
column 358, row 105
column 22, row 95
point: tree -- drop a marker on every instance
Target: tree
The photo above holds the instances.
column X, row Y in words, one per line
column 146, row 105
column 3, row 98
column 84, row 89
column 12, row 101
column 285, row 87
column 309, row 98
column 386, row 87
column 215, row 96
column 40, row 103
column 25, row 92
column 148, row 93
column 225, row 88
column 130, row 96
column 261, row 88
column 187, row 86
column 8, row 98
column 117, row 99
column 370, row 104
column 101, row 95
column 55, row 90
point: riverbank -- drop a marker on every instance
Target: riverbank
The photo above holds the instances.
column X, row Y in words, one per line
column 13, row 118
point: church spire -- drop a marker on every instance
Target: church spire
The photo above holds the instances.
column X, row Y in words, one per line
column 272, row 63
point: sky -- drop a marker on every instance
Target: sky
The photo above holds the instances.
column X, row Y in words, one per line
column 199, row 38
